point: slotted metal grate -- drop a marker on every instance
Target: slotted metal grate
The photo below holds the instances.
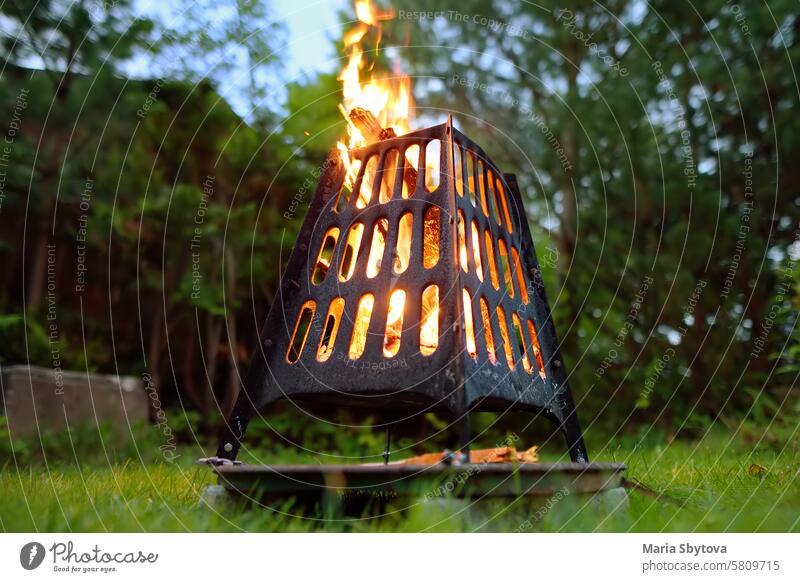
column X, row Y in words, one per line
column 412, row 291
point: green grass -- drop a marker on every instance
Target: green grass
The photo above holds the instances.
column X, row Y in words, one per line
column 716, row 484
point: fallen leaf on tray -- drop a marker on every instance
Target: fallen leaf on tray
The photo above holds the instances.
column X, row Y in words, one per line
column 496, row 455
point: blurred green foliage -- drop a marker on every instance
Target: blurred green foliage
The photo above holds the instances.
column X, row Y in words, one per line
column 717, row 484
column 86, row 445
column 652, row 141
column 628, row 178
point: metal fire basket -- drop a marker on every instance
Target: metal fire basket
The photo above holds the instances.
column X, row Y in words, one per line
column 415, row 290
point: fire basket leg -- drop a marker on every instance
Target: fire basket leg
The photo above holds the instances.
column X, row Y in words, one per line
column 572, row 432
column 233, row 430
column 252, row 390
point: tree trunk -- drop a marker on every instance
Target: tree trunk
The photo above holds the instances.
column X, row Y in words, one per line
column 213, row 337
column 570, row 180
column 190, row 385
column 38, row 271
column 232, row 391
column 154, row 351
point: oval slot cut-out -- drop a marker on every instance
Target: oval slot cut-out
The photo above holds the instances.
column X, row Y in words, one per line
column 367, row 181
column 487, row 331
column 377, row 247
column 301, row 328
column 501, row 193
column 432, row 162
column 431, row 227
column 537, row 349
column 350, row 254
column 325, row 255
column 523, row 287
column 332, row 322
column 411, row 163
column 394, row 323
column 482, row 187
column 490, row 259
column 476, row 251
column 458, row 169
column 497, row 204
column 347, row 186
column 361, row 326
column 469, row 328
column 501, row 319
column 487, row 210
column 463, row 258
column 403, row 251
column 388, row 175
column 505, row 266
column 526, row 363
column 429, row 326
column 471, row 186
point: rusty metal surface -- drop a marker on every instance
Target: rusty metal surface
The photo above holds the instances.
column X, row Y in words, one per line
column 450, row 380
column 408, row 381
column 472, row 480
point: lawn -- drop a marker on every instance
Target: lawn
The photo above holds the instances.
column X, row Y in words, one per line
column 715, row 484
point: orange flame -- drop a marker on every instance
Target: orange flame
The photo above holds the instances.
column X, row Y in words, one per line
column 387, row 97
column 368, row 14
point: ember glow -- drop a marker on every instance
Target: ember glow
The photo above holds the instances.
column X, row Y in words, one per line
column 388, row 98
column 394, row 323
column 429, row 326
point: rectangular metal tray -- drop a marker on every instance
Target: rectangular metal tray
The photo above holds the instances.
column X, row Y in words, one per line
column 400, row 480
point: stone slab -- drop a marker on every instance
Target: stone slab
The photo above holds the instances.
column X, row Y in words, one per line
column 36, row 400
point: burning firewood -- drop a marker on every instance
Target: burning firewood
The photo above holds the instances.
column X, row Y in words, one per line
column 371, row 130
column 369, row 127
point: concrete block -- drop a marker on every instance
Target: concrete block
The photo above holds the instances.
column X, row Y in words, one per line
column 36, row 400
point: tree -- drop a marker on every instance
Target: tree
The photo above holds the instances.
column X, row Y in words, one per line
column 66, row 39
column 235, row 44
column 140, row 155
column 639, row 132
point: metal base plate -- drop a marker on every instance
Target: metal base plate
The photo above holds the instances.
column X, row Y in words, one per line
column 381, row 483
